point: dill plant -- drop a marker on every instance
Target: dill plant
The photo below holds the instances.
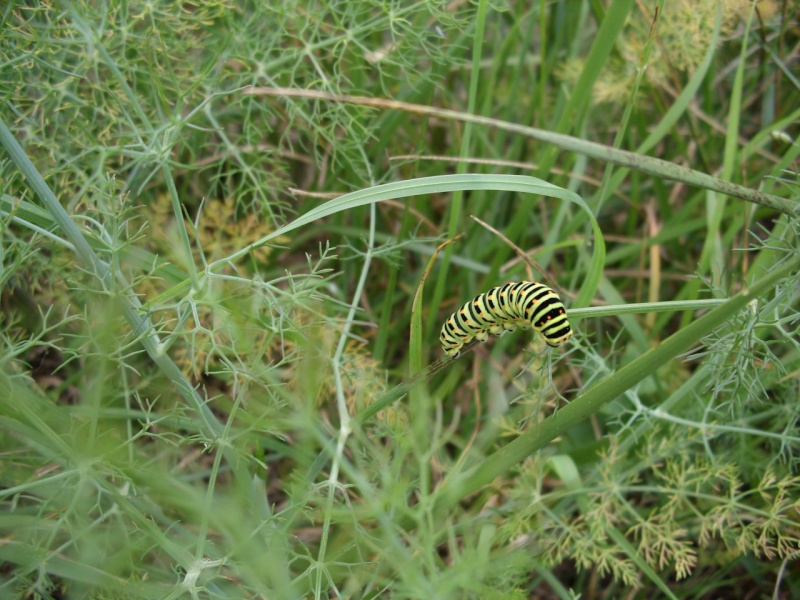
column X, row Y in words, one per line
column 196, row 338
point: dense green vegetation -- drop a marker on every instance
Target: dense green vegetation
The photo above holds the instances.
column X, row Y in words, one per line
column 231, row 231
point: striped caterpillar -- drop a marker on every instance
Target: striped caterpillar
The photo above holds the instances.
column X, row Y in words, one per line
column 523, row 304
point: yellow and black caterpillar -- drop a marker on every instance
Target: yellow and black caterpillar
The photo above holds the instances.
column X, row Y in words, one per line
column 522, row 304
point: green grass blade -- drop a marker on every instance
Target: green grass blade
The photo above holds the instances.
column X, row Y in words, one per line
column 130, row 304
column 432, row 185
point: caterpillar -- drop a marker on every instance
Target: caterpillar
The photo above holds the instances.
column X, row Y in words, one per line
column 521, row 304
